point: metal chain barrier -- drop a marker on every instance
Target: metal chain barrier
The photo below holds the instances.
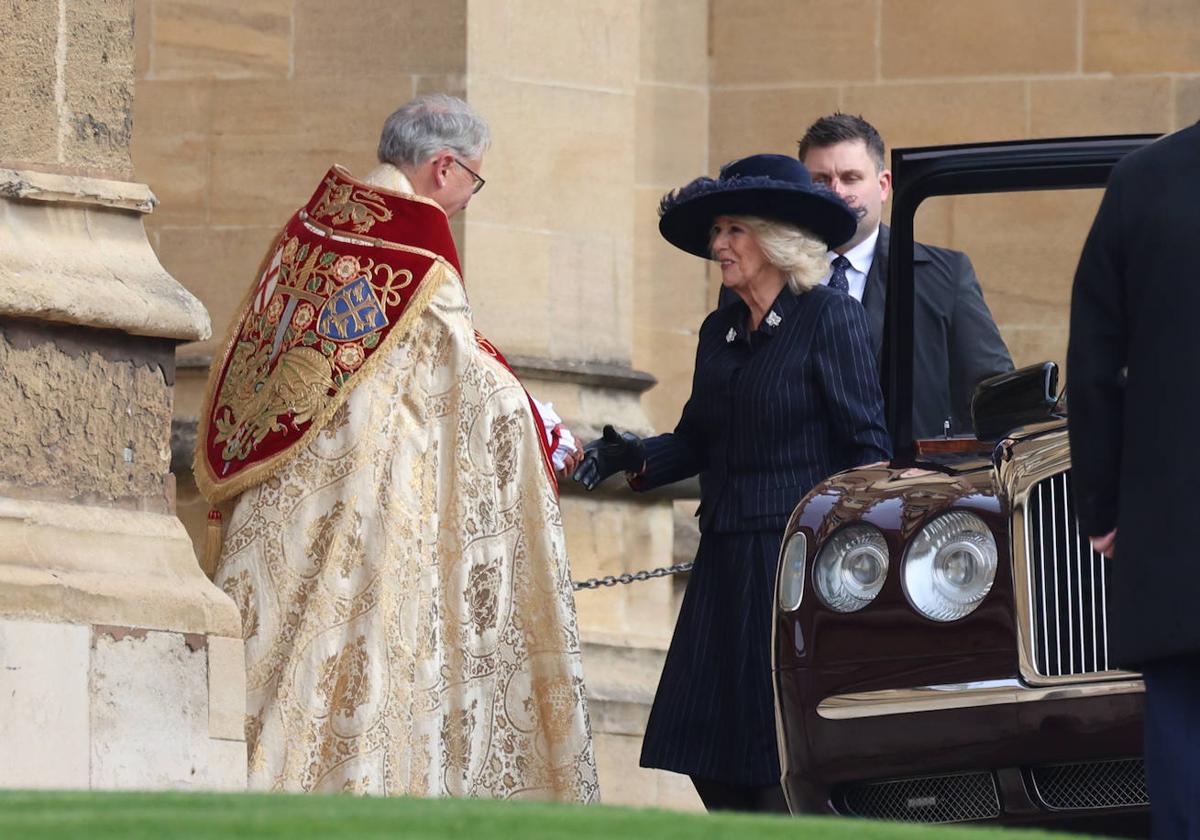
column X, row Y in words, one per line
column 630, row 577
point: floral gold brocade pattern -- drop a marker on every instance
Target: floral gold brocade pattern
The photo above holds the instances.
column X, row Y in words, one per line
column 414, row 627
column 344, row 682
column 239, row 590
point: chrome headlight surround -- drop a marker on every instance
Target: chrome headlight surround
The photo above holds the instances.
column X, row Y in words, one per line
column 792, row 562
column 950, row 566
column 851, row 568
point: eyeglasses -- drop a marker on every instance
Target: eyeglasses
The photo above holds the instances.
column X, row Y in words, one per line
column 479, row 182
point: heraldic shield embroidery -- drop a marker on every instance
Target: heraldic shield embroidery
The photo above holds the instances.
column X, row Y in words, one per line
column 317, row 317
column 324, row 304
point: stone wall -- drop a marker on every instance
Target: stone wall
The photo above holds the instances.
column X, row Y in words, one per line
column 120, row 708
column 946, row 71
column 672, row 291
column 111, row 447
column 67, row 87
column 120, row 665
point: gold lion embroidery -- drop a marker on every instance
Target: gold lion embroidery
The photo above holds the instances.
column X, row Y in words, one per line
column 342, row 203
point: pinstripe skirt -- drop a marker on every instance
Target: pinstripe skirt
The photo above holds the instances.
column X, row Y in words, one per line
column 714, row 712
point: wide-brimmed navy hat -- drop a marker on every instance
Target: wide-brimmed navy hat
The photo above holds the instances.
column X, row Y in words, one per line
column 768, row 186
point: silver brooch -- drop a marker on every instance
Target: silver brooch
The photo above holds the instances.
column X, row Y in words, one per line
column 730, row 336
column 773, row 319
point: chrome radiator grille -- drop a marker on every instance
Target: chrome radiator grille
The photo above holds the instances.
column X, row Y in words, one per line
column 1068, row 585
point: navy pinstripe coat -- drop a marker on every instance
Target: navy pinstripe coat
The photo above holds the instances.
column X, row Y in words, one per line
column 771, row 413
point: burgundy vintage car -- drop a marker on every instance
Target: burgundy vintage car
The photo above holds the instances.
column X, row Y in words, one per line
column 940, row 645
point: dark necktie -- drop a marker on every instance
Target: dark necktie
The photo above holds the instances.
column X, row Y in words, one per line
column 837, row 280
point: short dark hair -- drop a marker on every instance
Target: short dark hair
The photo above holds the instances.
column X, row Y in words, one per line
column 838, row 128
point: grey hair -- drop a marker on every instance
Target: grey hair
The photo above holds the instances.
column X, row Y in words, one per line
column 418, row 130
column 799, row 254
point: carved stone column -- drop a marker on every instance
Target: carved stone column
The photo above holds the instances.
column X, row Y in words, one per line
column 120, row 663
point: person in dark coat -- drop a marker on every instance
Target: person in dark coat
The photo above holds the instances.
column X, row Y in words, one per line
column 957, row 344
column 1133, row 394
column 785, row 393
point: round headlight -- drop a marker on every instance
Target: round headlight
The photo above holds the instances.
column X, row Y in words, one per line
column 851, row 568
column 791, row 572
column 950, row 566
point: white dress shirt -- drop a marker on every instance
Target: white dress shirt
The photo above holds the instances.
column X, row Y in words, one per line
column 861, row 256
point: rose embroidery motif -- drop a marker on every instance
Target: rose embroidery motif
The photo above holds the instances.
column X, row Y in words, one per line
column 350, row 356
column 345, row 269
column 303, row 316
column 274, row 309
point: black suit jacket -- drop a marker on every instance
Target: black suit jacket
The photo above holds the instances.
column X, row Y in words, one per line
column 773, row 412
column 1133, row 393
column 955, row 341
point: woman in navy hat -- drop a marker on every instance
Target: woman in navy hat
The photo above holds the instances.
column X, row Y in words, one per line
column 785, row 393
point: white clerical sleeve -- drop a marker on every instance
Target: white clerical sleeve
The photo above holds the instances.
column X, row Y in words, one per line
column 554, row 429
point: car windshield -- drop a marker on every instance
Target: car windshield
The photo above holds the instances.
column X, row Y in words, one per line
column 1024, row 246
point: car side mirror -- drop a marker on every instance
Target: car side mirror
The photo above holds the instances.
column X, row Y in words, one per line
column 1017, row 398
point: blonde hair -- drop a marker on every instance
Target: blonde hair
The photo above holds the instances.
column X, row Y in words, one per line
column 799, row 254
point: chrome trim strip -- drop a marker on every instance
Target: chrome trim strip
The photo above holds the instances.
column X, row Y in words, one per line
column 1058, row 657
column 1079, row 576
column 932, row 698
column 1104, row 612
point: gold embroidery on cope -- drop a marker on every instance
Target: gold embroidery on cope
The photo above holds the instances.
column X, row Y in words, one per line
column 321, row 316
column 342, row 203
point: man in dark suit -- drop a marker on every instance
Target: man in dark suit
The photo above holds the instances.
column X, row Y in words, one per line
column 956, row 340
column 1133, row 391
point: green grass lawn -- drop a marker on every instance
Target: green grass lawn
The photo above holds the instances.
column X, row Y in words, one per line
column 130, row 816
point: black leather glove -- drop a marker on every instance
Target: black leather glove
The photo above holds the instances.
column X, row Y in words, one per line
column 612, row 453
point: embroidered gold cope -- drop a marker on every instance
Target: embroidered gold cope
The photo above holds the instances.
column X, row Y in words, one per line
column 403, row 584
